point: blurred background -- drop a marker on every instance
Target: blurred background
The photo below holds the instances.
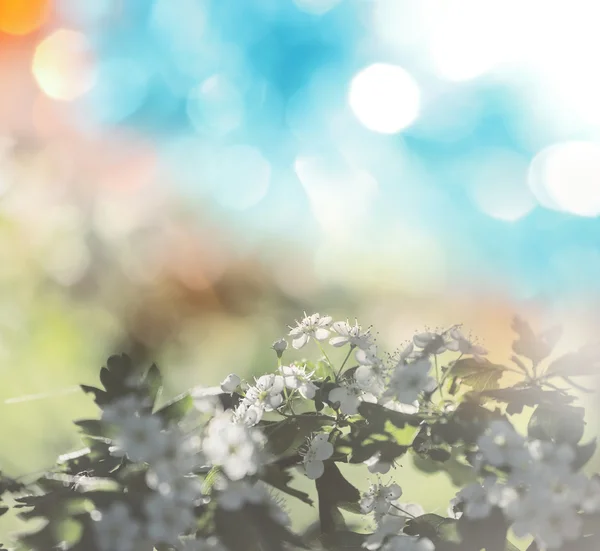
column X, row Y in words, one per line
column 180, row 179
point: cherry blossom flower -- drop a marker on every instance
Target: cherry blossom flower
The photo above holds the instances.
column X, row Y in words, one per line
column 116, row 530
column 379, row 499
column 408, row 381
column 297, row 378
column 138, row 438
column 376, row 465
column 408, row 543
column 590, row 500
column 124, row 408
column 352, row 335
column 475, row 498
column 315, row 326
column 433, row 342
column 319, row 450
column 234, row 494
column 390, row 525
column 266, row 393
column 211, row 543
column 167, row 520
column 460, row 343
column 233, row 446
column 230, row 383
column 501, row 445
column 349, row 397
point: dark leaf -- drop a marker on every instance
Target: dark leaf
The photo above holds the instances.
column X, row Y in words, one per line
column 584, row 362
column 290, row 434
column 377, row 415
column 559, row 424
column 153, row 382
column 532, row 346
column 280, row 479
column 334, row 491
column 479, row 374
column 583, row 453
column 343, row 541
column 93, row 428
column 517, row 398
column 175, row 410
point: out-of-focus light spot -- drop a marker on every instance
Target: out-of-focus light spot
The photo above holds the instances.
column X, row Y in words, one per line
column 536, row 180
column 317, row 7
column 20, row 17
column 181, row 33
column 242, row 178
column 340, row 197
column 570, row 175
column 62, row 66
column 385, row 98
column 215, row 106
column 86, row 13
column 499, row 185
column 120, row 90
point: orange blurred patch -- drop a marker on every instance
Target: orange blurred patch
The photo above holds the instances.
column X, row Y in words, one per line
column 20, row 17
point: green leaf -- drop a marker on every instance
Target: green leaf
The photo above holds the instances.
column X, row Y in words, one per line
column 334, row 491
column 517, row 398
column 583, row 363
column 153, row 382
column 280, row 479
column 479, row 374
column 434, row 527
column 175, row 410
column 583, row 453
column 559, row 424
column 94, row 428
column 288, row 435
column 253, row 529
column 377, row 415
column 532, row 346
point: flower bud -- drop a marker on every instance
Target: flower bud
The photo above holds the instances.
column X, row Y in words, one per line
column 279, row 346
column 230, row 383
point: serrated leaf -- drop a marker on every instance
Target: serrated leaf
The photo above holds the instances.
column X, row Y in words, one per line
column 280, row 479
column 334, row 491
column 479, row 374
column 176, row 409
column 532, row 346
column 583, row 363
column 559, row 424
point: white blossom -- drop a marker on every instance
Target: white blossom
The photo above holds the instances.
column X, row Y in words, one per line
column 319, row 450
column 234, row 494
column 371, row 379
column 557, row 457
column 408, row 543
column 184, row 490
column 124, row 408
column 348, row 396
column 315, row 326
column 379, row 499
column 167, row 520
column 460, row 343
column 390, row 525
column 376, row 465
column 266, row 393
column 475, row 499
column 501, row 445
column 139, row 438
column 408, row 381
column 352, row 335
column 428, row 339
column 230, row 383
column 233, row 446
column 590, row 501
column 297, row 378
column 116, row 530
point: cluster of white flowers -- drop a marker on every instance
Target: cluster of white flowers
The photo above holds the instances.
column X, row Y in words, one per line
column 172, row 457
column 390, row 518
column 541, row 495
column 320, row 327
column 265, row 395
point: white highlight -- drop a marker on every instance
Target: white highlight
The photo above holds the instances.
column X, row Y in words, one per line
column 570, row 175
column 385, row 98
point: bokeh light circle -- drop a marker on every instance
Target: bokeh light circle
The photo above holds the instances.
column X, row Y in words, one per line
column 19, row 17
column 568, row 174
column 62, row 65
column 385, row 98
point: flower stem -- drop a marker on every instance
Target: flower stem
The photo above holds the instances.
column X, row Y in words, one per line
column 344, row 362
